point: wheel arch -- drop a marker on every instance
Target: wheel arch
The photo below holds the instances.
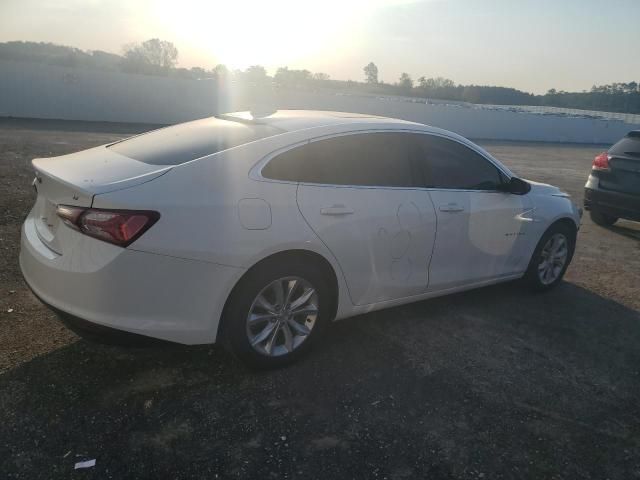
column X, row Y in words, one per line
column 293, row 255
column 568, row 222
column 531, row 275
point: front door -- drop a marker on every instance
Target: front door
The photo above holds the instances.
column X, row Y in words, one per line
column 482, row 235
column 482, row 230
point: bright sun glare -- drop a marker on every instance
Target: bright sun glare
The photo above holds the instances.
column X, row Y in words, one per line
column 271, row 33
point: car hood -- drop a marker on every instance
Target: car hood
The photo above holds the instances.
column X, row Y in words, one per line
column 545, row 189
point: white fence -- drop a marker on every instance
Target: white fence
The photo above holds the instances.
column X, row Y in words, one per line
column 47, row 91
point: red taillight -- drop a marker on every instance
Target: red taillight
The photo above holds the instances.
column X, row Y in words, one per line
column 120, row 227
column 601, row 162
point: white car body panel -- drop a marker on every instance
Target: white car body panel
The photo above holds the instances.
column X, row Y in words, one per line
column 480, row 236
column 154, row 295
column 219, row 217
column 381, row 237
column 97, row 170
column 74, row 179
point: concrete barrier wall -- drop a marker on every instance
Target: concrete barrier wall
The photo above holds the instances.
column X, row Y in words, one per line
column 46, row 91
column 475, row 123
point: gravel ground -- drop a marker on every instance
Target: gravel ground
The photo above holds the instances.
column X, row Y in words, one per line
column 493, row 383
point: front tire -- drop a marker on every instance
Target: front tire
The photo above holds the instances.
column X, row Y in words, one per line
column 551, row 257
column 602, row 219
column 277, row 313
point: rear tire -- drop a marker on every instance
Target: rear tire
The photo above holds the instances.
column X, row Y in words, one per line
column 260, row 321
column 551, row 258
column 602, row 219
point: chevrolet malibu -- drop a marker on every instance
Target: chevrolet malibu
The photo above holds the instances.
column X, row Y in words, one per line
column 260, row 230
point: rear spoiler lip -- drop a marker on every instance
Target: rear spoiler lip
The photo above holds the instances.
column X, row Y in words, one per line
column 151, row 176
column 91, row 195
column 109, row 187
column 40, row 171
column 88, row 186
column 104, row 189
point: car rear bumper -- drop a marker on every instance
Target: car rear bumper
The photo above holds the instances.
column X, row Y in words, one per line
column 99, row 333
column 616, row 204
column 109, row 288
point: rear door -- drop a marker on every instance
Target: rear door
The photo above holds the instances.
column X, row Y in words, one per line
column 358, row 193
column 482, row 233
column 624, row 166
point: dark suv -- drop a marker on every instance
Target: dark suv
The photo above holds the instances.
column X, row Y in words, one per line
column 613, row 188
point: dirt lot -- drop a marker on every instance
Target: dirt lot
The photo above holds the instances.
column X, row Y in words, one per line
column 494, row 383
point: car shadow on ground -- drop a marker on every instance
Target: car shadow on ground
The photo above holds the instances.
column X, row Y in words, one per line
column 627, row 228
column 497, row 382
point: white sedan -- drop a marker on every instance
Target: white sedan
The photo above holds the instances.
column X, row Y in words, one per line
column 262, row 230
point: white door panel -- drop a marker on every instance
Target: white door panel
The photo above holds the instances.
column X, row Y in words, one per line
column 382, row 237
column 481, row 235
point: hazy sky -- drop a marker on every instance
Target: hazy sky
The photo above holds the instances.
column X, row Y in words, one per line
column 532, row 45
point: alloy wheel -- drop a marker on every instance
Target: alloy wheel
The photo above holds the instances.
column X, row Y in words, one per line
column 282, row 316
column 553, row 258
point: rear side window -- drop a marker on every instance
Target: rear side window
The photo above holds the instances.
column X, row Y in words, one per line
column 628, row 146
column 367, row 159
column 188, row 141
column 450, row 165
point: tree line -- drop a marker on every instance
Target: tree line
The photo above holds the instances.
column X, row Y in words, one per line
column 159, row 57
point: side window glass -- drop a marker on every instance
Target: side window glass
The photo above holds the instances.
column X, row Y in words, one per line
column 451, row 165
column 367, row 159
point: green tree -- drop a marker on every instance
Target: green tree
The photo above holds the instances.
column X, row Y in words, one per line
column 442, row 82
column 371, row 73
column 433, row 83
column 405, row 82
column 292, row 78
column 152, row 56
column 256, row 75
column 220, row 72
column 198, row 72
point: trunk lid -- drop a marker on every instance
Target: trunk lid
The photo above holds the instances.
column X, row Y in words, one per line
column 624, row 175
column 74, row 179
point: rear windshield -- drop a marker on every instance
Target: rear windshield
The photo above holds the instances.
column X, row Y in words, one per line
column 188, row 141
column 629, row 145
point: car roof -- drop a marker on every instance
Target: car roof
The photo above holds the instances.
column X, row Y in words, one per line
column 294, row 120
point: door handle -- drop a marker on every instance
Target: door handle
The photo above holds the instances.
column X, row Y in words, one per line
column 451, row 208
column 336, row 210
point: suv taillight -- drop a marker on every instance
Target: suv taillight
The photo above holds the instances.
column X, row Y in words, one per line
column 601, row 162
column 119, row 227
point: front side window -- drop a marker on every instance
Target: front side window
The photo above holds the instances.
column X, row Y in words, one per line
column 448, row 164
column 367, row 159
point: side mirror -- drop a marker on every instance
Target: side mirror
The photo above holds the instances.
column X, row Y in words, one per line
column 517, row 186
